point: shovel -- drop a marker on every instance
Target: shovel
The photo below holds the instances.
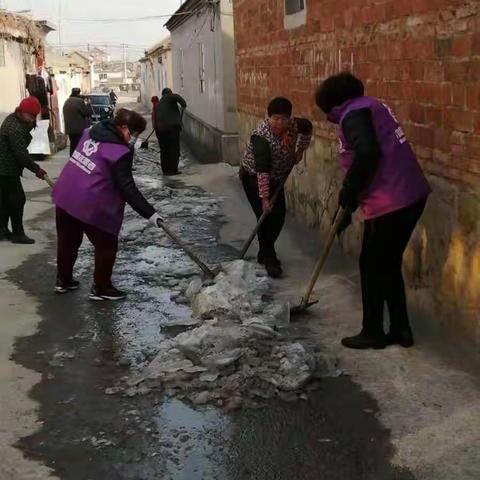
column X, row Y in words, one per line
column 144, row 145
column 306, row 302
column 206, row 270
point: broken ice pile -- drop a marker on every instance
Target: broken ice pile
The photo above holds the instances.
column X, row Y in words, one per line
column 237, row 353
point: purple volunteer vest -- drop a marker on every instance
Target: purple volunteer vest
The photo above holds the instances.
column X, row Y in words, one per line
column 399, row 181
column 86, row 189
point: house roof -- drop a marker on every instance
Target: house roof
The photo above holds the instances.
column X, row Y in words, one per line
column 165, row 44
column 186, row 11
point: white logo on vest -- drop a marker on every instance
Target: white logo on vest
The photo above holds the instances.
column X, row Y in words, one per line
column 90, row 147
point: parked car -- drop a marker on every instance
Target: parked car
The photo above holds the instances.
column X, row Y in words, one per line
column 102, row 106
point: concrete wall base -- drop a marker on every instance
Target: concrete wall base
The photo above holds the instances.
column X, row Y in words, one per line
column 209, row 144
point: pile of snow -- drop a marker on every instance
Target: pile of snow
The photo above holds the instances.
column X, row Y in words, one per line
column 237, row 354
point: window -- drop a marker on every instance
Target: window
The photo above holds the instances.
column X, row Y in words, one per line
column 294, row 6
column 182, row 81
column 103, row 76
column 295, row 14
column 201, row 53
column 2, row 53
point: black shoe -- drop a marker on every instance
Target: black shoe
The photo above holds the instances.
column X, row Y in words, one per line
column 65, row 288
column 364, row 342
column 21, row 239
column 110, row 293
column 5, row 234
column 273, row 269
column 171, row 174
column 404, row 339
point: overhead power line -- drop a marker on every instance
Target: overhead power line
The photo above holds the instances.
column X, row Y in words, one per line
column 133, row 19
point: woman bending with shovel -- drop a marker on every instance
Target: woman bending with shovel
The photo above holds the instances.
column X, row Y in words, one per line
column 383, row 177
column 275, row 146
column 90, row 197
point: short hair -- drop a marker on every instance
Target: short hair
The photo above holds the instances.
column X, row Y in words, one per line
column 280, row 106
column 155, row 99
column 166, row 91
column 337, row 89
column 133, row 120
column 76, row 92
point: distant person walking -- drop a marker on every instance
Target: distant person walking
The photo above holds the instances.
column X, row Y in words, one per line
column 113, row 97
column 76, row 114
column 168, row 125
column 15, row 138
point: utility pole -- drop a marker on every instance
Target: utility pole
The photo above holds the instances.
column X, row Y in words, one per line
column 125, row 62
column 60, row 26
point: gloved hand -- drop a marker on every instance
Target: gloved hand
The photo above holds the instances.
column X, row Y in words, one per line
column 156, row 219
column 41, row 174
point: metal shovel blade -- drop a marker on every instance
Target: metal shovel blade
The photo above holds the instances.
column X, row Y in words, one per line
column 302, row 307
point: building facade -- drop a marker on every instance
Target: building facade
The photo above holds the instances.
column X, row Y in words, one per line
column 73, row 70
column 204, row 73
column 21, row 54
column 156, row 71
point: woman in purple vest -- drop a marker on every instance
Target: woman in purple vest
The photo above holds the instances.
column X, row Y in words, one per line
column 383, row 177
column 90, row 197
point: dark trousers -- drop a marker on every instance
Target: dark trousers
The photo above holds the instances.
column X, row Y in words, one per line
column 384, row 242
column 74, row 139
column 273, row 225
column 12, row 204
column 169, row 142
column 69, row 237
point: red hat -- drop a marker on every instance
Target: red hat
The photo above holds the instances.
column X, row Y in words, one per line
column 30, row 105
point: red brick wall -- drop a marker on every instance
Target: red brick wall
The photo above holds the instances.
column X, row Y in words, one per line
column 421, row 56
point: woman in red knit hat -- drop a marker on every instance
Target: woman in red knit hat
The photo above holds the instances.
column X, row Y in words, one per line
column 14, row 158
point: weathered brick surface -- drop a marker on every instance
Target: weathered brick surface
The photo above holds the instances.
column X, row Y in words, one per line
column 423, row 58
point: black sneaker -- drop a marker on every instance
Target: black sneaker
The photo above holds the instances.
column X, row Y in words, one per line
column 21, row 239
column 365, row 342
column 5, row 234
column 109, row 293
column 65, row 288
column 404, row 339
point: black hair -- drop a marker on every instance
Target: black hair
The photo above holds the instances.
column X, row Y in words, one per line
column 280, row 106
column 155, row 99
column 337, row 89
column 76, row 92
column 166, row 91
column 133, row 120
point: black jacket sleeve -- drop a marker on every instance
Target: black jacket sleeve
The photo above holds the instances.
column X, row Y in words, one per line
column 262, row 154
column 19, row 143
column 180, row 100
column 304, row 126
column 361, row 138
column 123, row 178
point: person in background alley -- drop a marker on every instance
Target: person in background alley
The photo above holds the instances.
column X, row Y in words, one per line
column 275, row 146
column 113, row 98
column 15, row 138
column 154, row 101
column 90, row 198
column 76, row 114
column 168, row 125
column 383, row 177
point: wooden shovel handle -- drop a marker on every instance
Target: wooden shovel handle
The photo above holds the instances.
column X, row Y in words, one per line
column 49, row 181
column 324, row 254
column 207, row 271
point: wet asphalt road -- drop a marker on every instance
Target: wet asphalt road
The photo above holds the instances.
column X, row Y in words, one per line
column 83, row 348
